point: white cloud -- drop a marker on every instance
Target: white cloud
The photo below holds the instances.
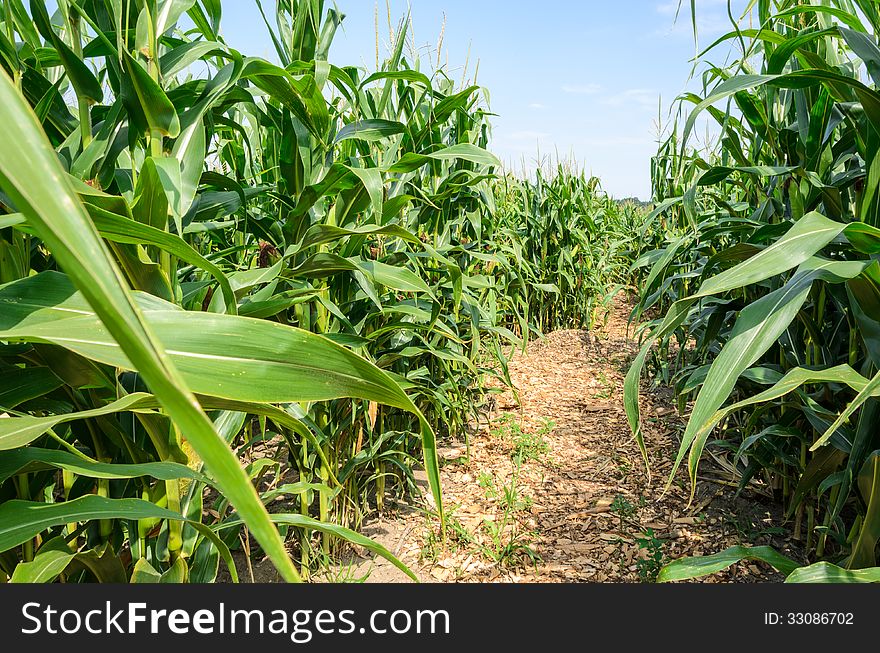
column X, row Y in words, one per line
column 638, row 97
column 581, row 89
column 537, row 106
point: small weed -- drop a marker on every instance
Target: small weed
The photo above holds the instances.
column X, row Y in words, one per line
column 458, row 537
column 504, row 425
column 508, row 543
column 486, row 481
column 607, row 390
column 459, row 533
column 430, row 550
column 508, row 495
column 649, row 566
column 508, row 547
column 526, row 445
column 623, row 507
column 340, row 572
column 529, row 446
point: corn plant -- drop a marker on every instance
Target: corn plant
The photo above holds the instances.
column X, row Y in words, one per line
column 160, row 260
column 768, row 276
column 572, row 247
column 229, row 285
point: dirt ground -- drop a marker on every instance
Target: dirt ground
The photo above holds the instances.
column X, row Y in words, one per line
column 578, row 507
column 552, row 487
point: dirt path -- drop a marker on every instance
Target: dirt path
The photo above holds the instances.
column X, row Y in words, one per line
column 578, row 508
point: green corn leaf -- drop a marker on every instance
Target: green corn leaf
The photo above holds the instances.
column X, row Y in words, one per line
column 270, row 362
column 21, row 521
column 55, row 557
column 20, row 431
column 758, row 328
column 20, row 385
column 83, row 80
column 464, row 152
column 825, row 572
column 42, row 193
column 31, row 459
column 864, row 549
column 149, row 100
column 697, row 567
column 808, row 236
column 370, row 131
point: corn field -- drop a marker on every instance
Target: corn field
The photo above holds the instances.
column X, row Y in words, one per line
column 243, row 303
column 767, row 284
column 241, row 300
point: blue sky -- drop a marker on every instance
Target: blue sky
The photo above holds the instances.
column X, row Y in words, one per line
column 586, row 78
